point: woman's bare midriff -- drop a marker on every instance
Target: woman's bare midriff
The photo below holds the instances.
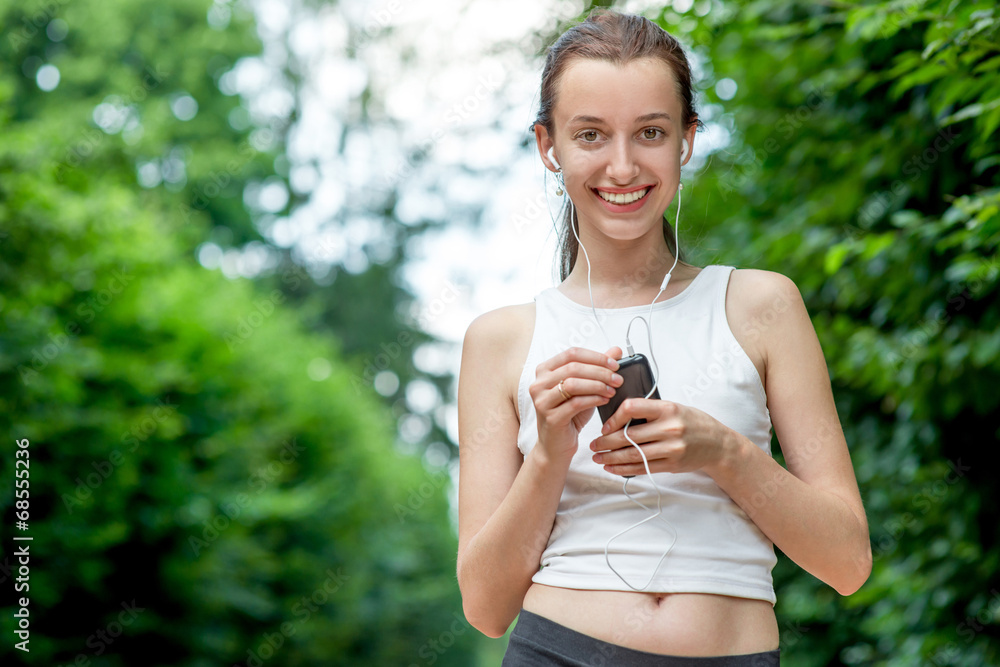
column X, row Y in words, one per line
column 685, row 624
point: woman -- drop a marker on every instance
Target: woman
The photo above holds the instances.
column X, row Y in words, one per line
column 541, row 502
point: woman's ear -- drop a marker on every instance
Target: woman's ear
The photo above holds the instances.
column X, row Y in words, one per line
column 688, row 143
column 546, row 148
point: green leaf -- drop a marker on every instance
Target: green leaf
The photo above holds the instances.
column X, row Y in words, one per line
column 971, row 111
column 835, row 258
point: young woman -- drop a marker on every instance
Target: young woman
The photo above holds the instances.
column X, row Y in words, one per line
column 550, row 531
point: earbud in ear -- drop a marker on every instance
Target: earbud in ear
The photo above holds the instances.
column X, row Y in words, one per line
column 684, row 149
column 552, row 158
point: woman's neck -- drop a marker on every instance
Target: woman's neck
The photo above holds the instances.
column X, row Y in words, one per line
column 624, row 272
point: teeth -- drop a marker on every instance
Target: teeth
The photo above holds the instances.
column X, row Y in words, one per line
column 623, row 198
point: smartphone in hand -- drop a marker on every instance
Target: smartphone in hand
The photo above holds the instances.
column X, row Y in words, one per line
column 638, row 378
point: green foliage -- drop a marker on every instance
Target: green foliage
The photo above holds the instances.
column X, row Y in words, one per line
column 207, row 485
column 864, row 165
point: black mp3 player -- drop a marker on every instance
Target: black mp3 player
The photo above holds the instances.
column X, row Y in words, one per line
column 638, row 381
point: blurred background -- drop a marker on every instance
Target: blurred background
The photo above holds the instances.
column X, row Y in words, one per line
column 240, row 244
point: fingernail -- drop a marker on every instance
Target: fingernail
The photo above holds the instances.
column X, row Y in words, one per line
column 613, row 363
column 604, row 429
column 615, row 377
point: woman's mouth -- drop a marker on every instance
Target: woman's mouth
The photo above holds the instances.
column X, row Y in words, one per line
column 623, row 202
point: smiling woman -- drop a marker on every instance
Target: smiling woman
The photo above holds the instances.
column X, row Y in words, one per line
column 541, row 513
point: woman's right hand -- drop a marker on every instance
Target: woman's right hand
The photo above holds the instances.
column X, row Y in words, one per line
column 589, row 379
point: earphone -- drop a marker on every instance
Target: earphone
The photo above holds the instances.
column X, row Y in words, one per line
column 659, row 510
column 552, row 158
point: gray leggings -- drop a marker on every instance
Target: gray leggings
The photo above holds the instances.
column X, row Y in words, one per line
column 539, row 642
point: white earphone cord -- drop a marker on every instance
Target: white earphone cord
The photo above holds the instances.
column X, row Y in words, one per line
column 656, row 375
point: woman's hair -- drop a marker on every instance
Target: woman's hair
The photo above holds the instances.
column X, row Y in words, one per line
column 618, row 39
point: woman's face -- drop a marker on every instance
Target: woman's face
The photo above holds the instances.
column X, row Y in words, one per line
column 618, row 137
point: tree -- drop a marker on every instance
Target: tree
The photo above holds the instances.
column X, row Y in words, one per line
column 863, row 164
column 206, row 485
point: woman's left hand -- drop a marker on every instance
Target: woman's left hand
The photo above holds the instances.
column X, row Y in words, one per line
column 675, row 438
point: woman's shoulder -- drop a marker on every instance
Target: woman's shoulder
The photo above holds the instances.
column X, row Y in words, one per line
column 760, row 289
column 503, row 335
column 504, row 325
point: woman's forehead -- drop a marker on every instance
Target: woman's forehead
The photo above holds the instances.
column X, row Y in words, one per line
column 602, row 89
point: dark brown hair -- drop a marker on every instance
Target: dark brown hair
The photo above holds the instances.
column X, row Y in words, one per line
column 619, row 39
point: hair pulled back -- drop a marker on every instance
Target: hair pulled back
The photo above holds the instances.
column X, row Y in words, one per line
column 618, row 39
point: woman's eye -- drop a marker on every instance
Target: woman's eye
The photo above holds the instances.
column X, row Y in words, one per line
column 651, row 133
column 589, row 136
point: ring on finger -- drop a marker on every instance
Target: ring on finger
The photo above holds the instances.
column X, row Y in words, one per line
column 563, row 391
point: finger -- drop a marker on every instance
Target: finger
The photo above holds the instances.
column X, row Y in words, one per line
column 578, row 379
column 577, row 386
column 619, row 457
column 640, row 433
column 667, row 460
column 561, row 410
column 580, row 355
column 614, row 352
column 547, row 395
column 628, row 461
column 639, row 408
column 629, row 469
column 588, row 371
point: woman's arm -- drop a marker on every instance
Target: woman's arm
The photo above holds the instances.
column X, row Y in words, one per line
column 507, row 503
column 812, row 511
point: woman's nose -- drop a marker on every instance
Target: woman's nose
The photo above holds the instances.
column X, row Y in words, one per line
column 622, row 167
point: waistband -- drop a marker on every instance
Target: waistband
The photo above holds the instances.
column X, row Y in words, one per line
column 540, row 642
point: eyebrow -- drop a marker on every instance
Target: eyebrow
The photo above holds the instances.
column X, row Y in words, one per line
column 660, row 115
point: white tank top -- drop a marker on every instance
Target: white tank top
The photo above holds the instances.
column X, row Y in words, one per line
column 718, row 548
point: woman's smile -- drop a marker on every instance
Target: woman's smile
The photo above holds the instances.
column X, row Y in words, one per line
column 623, row 201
